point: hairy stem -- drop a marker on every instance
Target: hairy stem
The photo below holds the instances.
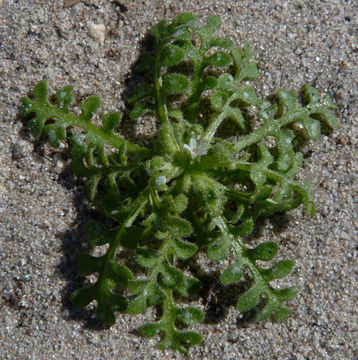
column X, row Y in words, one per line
column 271, row 128
column 136, row 207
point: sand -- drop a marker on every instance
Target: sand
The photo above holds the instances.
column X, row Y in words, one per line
column 92, row 45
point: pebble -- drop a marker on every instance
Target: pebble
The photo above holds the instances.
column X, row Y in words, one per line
column 97, row 32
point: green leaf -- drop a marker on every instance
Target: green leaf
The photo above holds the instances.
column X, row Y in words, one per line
column 26, row 108
column 92, row 184
column 131, row 237
column 249, row 299
column 147, row 257
column 245, row 68
column 218, row 100
column 89, row 107
column 285, row 137
column 141, row 92
column 226, row 82
column 188, row 287
column 98, row 234
column 326, row 116
column 111, row 120
column 141, row 109
column 209, row 83
column 138, row 305
column 118, row 302
column 171, row 276
column 82, row 297
column 119, row 274
column 172, row 55
column 247, row 95
column 190, row 316
column 78, row 145
column 160, row 31
column 257, row 175
column 55, row 132
column 219, row 59
column 219, row 251
column 280, row 270
column 40, row 91
column 232, row 274
column 64, row 96
column 183, row 249
column 287, row 294
column 288, row 99
column 137, row 286
column 150, row 329
column 244, row 229
column 265, row 251
column 179, row 227
column 178, row 204
column 176, row 114
column 328, row 101
column 310, row 95
column 281, row 313
column 175, row 84
column 213, row 23
column 184, row 19
column 266, row 312
column 182, row 33
column 267, row 110
column 87, row 264
column 312, row 127
column 105, row 314
column 221, row 42
column 236, row 115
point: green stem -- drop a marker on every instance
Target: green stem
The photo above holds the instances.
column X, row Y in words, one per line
column 270, row 128
column 162, row 109
column 138, row 204
column 193, row 101
column 241, row 251
column 108, row 137
column 167, row 317
column 210, row 131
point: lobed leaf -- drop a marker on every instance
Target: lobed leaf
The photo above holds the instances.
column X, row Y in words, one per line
column 191, row 187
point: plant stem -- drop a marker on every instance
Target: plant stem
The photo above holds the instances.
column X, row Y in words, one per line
column 137, row 205
column 162, row 109
column 108, row 137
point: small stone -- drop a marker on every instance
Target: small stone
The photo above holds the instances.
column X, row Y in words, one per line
column 97, row 32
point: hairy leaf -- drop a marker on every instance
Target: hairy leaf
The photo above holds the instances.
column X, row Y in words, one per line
column 198, row 186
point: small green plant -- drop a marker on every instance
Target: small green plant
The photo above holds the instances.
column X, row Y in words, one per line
column 200, row 185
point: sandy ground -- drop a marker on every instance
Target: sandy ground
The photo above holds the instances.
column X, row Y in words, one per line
column 92, row 46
